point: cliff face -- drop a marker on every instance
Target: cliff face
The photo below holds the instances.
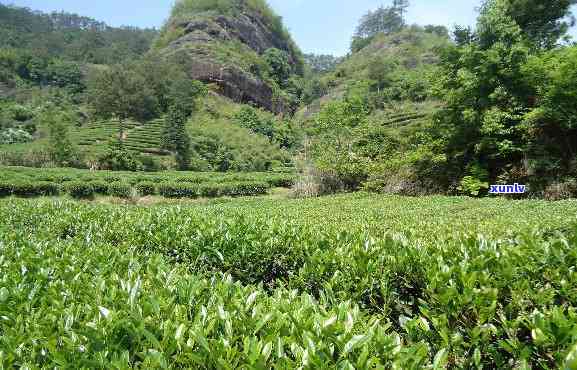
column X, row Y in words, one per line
column 226, row 49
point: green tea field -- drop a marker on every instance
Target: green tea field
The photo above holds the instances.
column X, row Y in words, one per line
column 351, row 281
column 83, row 184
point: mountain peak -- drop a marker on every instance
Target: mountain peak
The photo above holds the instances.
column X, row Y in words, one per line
column 223, row 42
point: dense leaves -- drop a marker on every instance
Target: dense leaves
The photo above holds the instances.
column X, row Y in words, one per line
column 85, row 184
column 298, row 289
column 502, row 88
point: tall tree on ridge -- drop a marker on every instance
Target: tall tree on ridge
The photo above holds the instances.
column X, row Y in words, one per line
column 401, row 7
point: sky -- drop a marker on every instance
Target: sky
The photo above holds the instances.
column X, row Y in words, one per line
column 318, row 26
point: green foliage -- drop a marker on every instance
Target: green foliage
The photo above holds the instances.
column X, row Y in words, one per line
column 146, row 188
column 120, row 190
column 121, row 92
column 5, row 189
column 283, row 284
column 278, row 64
column 100, row 187
column 221, row 145
column 182, row 103
column 176, row 137
column 81, row 184
column 321, row 63
column 69, row 37
column 262, row 123
column 542, row 24
column 62, row 150
column 80, row 190
column 380, row 72
column 472, row 186
column 194, row 9
column 118, row 158
column 383, row 20
column 342, row 115
column 497, row 83
column 232, row 189
column 12, row 136
column 34, row 189
column 185, row 94
column 552, row 76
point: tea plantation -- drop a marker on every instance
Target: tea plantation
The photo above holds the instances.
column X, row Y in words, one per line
column 82, row 184
column 349, row 281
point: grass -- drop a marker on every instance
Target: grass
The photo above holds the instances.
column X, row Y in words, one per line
column 348, row 281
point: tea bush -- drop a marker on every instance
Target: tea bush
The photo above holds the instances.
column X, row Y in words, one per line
column 34, row 189
column 120, row 190
column 178, row 190
column 172, row 185
column 5, row 189
column 351, row 281
column 100, row 187
column 146, row 188
column 80, row 190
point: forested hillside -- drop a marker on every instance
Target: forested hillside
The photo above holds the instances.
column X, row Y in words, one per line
column 39, row 47
column 412, row 109
column 60, row 103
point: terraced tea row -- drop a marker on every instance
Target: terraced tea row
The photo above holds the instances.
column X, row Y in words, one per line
column 24, row 182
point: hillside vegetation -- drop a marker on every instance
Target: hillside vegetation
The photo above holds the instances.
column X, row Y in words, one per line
column 240, row 45
column 411, row 111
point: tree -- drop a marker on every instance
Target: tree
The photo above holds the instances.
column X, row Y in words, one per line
column 321, row 63
column 185, row 93
column 61, row 148
column 437, row 30
column 385, row 20
column 176, row 138
column 401, row 7
column 380, row 71
column 382, row 20
column 119, row 92
column 543, row 22
column 499, row 113
column 182, row 100
column 279, row 66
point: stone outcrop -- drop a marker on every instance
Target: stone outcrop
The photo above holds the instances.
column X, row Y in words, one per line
column 196, row 42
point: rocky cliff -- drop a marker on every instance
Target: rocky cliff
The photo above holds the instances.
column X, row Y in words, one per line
column 224, row 45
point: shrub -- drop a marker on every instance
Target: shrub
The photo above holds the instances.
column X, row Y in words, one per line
column 306, row 187
column 5, row 189
column 149, row 164
column 146, row 188
column 314, row 182
column 100, row 187
column 120, row 190
column 243, row 189
column 112, row 178
column 13, row 136
column 472, row 186
column 210, row 190
column 281, row 181
column 175, row 190
column 34, row 189
column 80, row 190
